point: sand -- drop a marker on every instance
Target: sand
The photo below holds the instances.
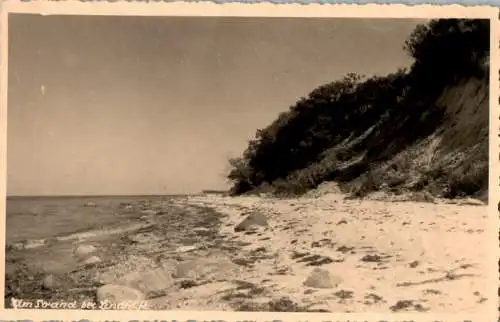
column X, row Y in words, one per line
column 317, row 254
column 390, row 256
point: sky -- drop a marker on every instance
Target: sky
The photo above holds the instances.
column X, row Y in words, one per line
column 110, row 105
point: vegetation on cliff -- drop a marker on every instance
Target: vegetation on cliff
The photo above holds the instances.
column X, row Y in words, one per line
column 425, row 128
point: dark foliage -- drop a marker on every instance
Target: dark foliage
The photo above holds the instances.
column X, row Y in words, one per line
column 343, row 129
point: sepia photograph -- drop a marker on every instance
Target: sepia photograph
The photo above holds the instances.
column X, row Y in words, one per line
column 248, row 164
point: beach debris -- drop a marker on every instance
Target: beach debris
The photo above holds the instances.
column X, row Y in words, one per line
column 251, row 221
column 414, row 264
column 118, row 294
column 407, row 305
column 342, row 222
column 375, row 258
column 344, row 294
column 90, row 204
column 322, row 243
column 318, row 260
column 83, row 252
column 321, row 278
column 187, row 284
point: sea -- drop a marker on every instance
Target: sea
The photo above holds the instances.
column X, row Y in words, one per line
column 45, row 217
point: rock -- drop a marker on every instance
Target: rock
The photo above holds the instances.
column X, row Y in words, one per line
column 321, row 278
column 36, row 243
column 145, row 238
column 16, row 246
column 149, row 281
column 49, row 282
column 205, row 268
column 251, row 221
column 414, row 264
column 471, row 202
column 91, row 260
column 90, row 204
column 83, row 252
column 148, row 212
column 185, row 249
column 200, row 230
column 118, row 294
column 423, row 196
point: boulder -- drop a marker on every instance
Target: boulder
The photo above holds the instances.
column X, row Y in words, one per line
column 83, row 252
column 91, row 260
column 321, row 278
column 253, row 220
column 149, row 281
column 118, row 294
column 49, row 282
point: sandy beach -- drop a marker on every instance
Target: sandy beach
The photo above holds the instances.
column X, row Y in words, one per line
column 323, row 253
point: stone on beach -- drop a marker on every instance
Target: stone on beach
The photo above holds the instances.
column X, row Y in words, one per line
column 150, row 280
column 91, row 260
column 49, row 282
column 201, row 230
column 28, row 244
column 16, row 246
column 83, row 252
column 90, row 204
column 252, row 220
column 321, row 278
column 185, row 249
column 471, row 202
column 216, row 269
column 35, row 243
column 118, row 294
column 145, row 238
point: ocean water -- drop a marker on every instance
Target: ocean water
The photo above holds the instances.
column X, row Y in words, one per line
column 45, row 217
column 123, row 229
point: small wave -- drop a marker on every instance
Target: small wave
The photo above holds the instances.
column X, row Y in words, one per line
column 101, row 232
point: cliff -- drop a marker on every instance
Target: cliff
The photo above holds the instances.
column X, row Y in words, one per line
column 421, row 129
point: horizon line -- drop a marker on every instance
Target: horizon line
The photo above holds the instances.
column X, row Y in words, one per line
column 101, row 195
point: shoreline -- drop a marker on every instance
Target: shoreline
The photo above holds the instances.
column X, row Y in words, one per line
column 324, row 254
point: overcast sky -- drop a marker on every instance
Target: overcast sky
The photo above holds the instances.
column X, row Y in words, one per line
column 156, row 105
